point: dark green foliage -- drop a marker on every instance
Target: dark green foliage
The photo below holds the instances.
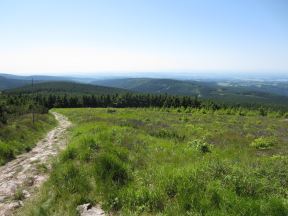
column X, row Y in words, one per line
column 111, row 110
column 231, row 92
column 204, row 148
column 169, row 134
column 6, row 83
column 64, row 87
column 13, row 106
column 43, row 102
column 200, row 145
column 262, row 111
column 48, row 95
column 3, row 114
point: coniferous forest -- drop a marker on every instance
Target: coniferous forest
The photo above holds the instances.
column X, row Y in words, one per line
column 19, row 104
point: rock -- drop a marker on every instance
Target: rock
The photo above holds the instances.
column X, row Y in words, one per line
column 2, row 199
column 21, row 203
column 26, row 194
column 29, row 181
column 14, row 205
column 89, row 210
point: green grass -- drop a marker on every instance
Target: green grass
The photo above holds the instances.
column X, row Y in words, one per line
column 264, row 142
column 150, row 162
column 20, row 135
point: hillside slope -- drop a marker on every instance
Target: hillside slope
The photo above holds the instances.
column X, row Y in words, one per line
column 62, row 87
column 232, row 92
column 6, row 83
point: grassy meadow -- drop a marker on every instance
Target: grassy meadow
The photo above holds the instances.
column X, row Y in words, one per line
column 164, row 162
column 20, row 135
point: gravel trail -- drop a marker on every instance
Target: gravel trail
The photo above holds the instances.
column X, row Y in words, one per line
column 20, row 177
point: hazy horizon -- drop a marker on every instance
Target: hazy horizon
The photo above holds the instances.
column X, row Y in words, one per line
column 196, row 75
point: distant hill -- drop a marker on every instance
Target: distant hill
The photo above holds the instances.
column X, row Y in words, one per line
column 63, row 87
column 149, row 85
column 227, row 91
column 234, row 92
column 9, row 81
column 6, row 83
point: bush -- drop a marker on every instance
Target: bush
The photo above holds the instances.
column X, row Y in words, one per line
column 262, row 112
column 200, row 145
column 168, row 134
column 263, row 142
column 111, row 110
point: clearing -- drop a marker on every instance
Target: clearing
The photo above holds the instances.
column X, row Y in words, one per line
column 168, row 162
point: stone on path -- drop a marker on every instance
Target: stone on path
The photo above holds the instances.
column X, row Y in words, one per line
column 89, row 210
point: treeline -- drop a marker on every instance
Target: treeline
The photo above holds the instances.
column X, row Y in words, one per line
column 149, row 100
column 12, row 106
column 118, row 101
column 19, row 104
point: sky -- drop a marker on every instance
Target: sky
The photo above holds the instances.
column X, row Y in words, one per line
column 135, row 36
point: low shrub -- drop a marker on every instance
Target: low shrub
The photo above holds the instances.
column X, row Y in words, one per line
column 19, row 195
column 168, row 134
column 200, row 145
column 111, row 110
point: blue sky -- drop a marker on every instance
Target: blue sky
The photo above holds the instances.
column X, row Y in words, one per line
column 117, row 36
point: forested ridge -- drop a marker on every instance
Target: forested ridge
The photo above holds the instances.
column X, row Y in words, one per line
column 19, row 104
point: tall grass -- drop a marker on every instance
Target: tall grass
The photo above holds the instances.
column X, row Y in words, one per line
column 20, row 135
column 149, row 162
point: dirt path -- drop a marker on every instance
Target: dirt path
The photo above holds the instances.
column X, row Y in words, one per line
column 20, row 177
